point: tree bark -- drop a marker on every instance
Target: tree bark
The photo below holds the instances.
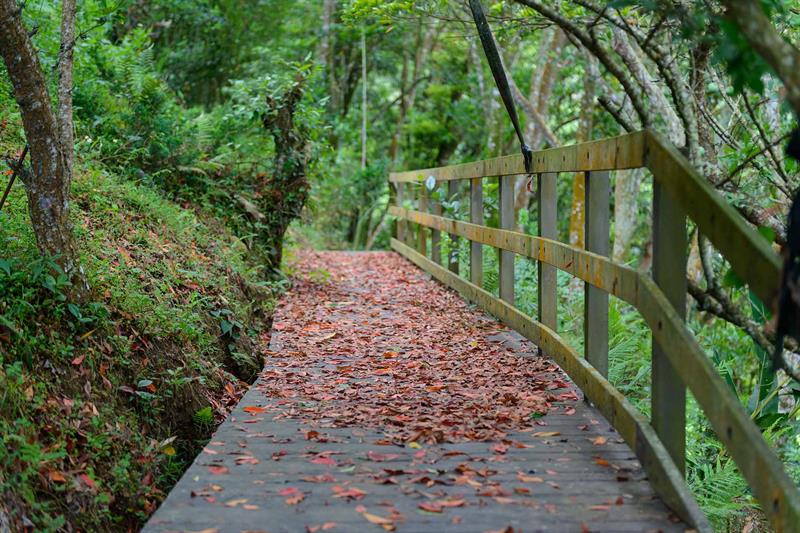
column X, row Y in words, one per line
column 51, row 141
column 578, row 209
column 626, row 195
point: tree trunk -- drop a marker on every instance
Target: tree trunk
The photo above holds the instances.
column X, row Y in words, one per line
column 626, row 194
column 287, row 191
column 578, row 210
column 47, row 185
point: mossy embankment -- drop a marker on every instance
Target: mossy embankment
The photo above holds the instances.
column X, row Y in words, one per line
column 103, row 404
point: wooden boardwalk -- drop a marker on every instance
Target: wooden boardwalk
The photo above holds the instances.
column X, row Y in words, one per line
column 387, row 403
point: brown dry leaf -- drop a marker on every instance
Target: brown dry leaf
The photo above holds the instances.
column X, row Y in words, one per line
column 56, row 477
column 529, row 479
column 599, row 507
column 430, row 507
column 547, row 434
column 598, row 441
column 294, row 500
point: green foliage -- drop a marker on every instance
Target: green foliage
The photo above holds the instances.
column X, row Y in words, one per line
column 118, row 381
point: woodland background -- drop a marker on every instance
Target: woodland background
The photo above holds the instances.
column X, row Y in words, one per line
column 202, row 128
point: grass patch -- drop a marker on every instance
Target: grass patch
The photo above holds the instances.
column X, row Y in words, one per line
column 103, row 405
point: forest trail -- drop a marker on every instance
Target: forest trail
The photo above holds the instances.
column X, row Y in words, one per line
column 387, row 402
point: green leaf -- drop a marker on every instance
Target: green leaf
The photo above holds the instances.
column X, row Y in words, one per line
column 732, row 280
column 768, row 233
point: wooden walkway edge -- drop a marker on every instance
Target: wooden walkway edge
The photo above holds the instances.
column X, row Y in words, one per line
column 288, row 459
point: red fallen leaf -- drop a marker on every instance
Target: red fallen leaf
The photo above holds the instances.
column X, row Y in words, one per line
column 276, row 456
column 431, row 507
column 247, row 460
column 279, row 326
column 500, row 448
column 88, row 481
column 78, row 360
column 585, row 528
column 252, row 409
column 570, row 411
column 311, row 435
column 599, row 507
column 386, row 523
column 378, row 457
column 289, row 491
column 323, row 461
column 598, row 441
column 508, row 529
column 620, row 500
column 450, row 503
column 294, row 500
column 320, row 478
column 353, row 493
column 522, row 490
column 217, row 470
column 602, row 462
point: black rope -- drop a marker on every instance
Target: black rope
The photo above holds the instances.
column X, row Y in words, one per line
column 14, row 171
column 499, row 73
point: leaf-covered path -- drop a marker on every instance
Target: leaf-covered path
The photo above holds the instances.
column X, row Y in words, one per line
column 388, row 403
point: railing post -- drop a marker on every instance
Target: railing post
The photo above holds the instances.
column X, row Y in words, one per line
column 595, row 306
column 476, row 217
column 452, row 191
column 507, row 222
column 546, row 288
column 436, row 235
column 401, row 224
column 422, row 237
column 669, row 273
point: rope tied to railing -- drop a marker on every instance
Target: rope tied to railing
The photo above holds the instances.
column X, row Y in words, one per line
column 500, row 78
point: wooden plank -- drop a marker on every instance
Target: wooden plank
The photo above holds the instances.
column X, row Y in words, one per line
column 615, row 153
column 476, row 217
column 506, row 204
column 668, row 396
column 748, row 252
column 422, row 231
column 452, row 255
column 547, row 286
column 758, row 463
column 595, row 310
column 436, row 235
column 632, row 425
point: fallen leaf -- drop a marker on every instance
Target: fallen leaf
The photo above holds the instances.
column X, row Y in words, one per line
column 529, row 479
column 217, row 470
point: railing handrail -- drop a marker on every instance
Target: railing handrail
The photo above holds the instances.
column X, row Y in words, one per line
column 749, row 254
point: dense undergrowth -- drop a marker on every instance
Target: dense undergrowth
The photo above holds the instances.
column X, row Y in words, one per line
column 103, row 405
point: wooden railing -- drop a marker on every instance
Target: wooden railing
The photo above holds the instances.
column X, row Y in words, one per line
column 678, row 361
